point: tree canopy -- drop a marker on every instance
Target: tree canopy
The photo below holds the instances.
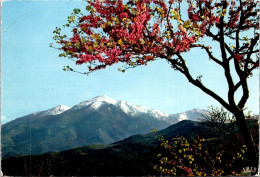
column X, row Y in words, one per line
column 138, row 32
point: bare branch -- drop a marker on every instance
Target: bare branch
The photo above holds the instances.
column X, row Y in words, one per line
column 214, row 37
column 198, row 84
column 209, row 53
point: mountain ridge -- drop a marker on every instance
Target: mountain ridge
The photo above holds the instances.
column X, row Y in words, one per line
column 130, row 109
column 53, row 111
column 101, row 120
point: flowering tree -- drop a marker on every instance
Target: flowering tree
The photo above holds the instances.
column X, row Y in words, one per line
column 181, row 157
column 136, row 32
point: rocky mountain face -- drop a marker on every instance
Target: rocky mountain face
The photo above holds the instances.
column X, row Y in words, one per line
column 101, row 120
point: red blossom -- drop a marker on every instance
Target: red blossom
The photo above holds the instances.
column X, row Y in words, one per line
column 188, row 170
column 130, row 28
column 239, row 57
column 256, row 64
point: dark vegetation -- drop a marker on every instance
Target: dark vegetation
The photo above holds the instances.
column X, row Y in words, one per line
column 223, row 155
column 135, row 155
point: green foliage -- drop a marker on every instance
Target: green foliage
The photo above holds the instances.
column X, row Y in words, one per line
column 76, row 11
column 67, row 68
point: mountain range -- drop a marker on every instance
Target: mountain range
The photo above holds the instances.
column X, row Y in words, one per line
column 101, row 120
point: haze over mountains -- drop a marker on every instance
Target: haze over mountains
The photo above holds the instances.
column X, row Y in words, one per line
column 101, row 120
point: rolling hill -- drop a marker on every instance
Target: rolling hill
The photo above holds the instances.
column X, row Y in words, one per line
column 135, row 155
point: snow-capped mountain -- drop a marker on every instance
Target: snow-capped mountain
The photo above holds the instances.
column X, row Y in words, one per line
column 95, row 103
column 138, row 110
column 129, row 109
column 133, row 110
column 194, row 114
column 53, row 111
column 101, row 120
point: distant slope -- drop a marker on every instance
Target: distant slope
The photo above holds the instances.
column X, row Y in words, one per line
column 133, row 156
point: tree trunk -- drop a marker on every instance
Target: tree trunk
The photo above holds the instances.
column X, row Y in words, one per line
column 252, row 150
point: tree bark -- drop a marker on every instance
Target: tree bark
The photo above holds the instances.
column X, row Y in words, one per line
column 252, row 150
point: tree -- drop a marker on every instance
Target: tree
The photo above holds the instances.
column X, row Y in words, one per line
column 223, row 124
column 136, row 32
column 220, row 121
column 229, row 140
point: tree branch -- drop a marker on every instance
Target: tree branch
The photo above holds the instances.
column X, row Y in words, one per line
column 214, row 37
column 209, row 53
column 250, row 52
column 241, row 74
column 198, row 84
column 225, row 61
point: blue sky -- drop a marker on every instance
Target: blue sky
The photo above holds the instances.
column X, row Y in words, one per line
column 33, row 80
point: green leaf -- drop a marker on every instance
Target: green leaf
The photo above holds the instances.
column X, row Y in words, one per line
column 90, row 50
column 120, row 42
column 109, row 44
column 76, row 11
column 68, row 52
column 83, row 40
column 117, row 21
column 109, row 23
column 187, row 24
column 88, row 8
column 102, row 45
column 77, row 45
column 62, row 55
column 95, row 44
column 68, row 44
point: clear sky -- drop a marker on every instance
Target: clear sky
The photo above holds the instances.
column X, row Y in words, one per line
column 32, row 78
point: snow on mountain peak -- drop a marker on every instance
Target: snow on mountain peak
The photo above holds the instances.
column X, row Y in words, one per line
column 54, row 111
column 182, row 116
column 95, row 103
column 129, row 109
column 194, row 114
column 133, row 110
column 104, row 98
column 196, row 110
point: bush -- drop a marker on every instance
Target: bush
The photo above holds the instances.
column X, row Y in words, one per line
column 183, row 158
